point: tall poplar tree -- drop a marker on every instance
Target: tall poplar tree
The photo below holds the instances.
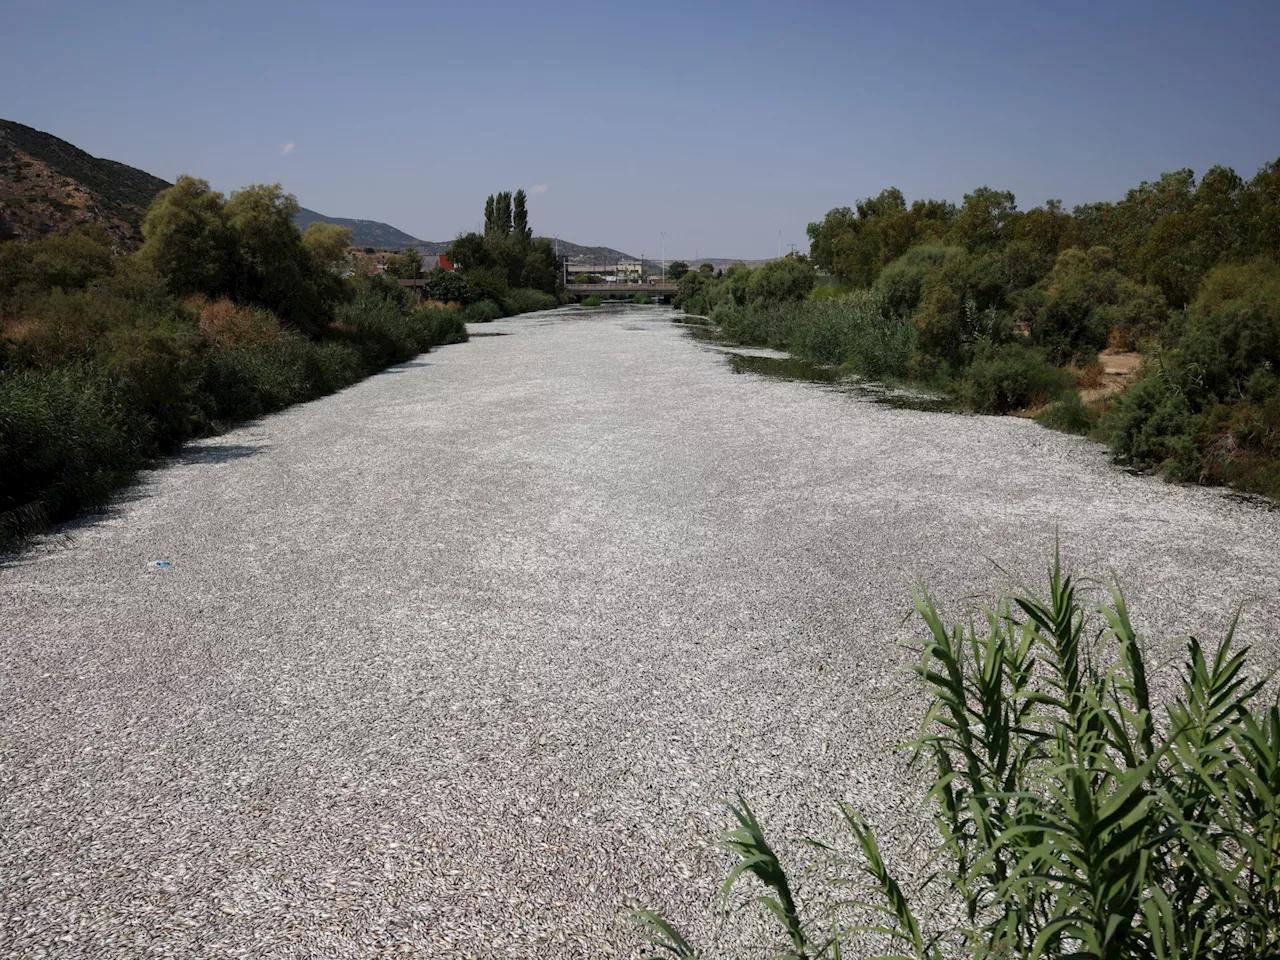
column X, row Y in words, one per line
column 520, row 220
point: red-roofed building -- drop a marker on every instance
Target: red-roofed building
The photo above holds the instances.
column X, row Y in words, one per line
column 437, row 260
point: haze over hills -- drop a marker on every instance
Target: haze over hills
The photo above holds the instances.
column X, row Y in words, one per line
column 48, row 185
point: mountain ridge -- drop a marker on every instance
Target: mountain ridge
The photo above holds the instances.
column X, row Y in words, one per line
column 48, row 185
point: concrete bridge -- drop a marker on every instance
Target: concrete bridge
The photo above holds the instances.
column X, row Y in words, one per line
column 659, row 291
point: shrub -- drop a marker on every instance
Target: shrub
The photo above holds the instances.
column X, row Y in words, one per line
column 228, row 324
column 1068, row 413
column 526, row 300
column 1011, row 377
column 786, row 280
column 591, row 301
column 901, row 284
column 448, row 286
column 487, row 283
column 482, row 311
column 439, row 327
column 1074, row 818
column 245, row 382
column 642, row 299
column 1152, row 425
column 1074, row 309
column 66, row 443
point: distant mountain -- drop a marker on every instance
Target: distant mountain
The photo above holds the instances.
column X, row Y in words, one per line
column 48, row 186
column 371, row 233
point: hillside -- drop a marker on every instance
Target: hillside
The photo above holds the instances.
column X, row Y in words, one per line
column 48, row 185
column 371, row 233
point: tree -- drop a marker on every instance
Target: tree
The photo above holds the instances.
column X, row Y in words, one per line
column 273, row 268
column 787, row 280
column 541, row 270
column 447, row 286
column 469, row 251
column 707, row 269
column 498, row 215
column 327, row 243
column 677, row 269
column 986, row 220
column 406, row 265
column 188, row 240
column 520, row 219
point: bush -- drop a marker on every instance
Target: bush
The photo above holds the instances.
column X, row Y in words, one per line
column 1068, row 413
column 901, row 284
column 1011, row 377
column 482, row 311
column 854, row 332
column 591, row 301
column 1151, row 425
column 526, row 300
column 787, row 280
column 66, row 442
column 1074, row 818
column 440, row 327
column 448, row 286
column 642, row 298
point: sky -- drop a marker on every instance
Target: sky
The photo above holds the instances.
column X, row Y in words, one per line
column 726, row 126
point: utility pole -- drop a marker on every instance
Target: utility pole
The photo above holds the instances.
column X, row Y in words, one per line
column 664, row 258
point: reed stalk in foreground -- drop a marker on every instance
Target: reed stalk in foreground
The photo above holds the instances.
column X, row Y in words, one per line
column 1074, row 818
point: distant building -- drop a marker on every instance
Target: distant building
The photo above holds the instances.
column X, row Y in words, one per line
column 625, row 271
column 433, row 260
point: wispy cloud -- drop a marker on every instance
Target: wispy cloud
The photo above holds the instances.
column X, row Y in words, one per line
column 287, row 148
column 538, row 189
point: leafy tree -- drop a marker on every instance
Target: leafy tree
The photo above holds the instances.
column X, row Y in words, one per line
column 787, row 280
column 854, row 245
column 406, row 265
column 468, row 251
column 677, row 269
column 499, row 217
column 520, row 219
column 541, row 270
column 902, row 283
column 327, row 243
column 448, row 286
column 273, row 267
column 706, row 269
column 188, row 240
column 1260, row 208
column 1075, row 308
column 487, row 283
column 987, row 220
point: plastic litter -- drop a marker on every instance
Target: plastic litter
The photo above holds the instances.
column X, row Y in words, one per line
column 162, row 563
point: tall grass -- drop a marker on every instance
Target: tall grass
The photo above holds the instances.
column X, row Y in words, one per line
column 525, row 300
column 853, row 331
column 1074, row 816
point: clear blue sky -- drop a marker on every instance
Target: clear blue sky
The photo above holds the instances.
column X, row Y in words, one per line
column 720, row 123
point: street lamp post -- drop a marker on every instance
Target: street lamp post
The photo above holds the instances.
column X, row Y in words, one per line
column 664, row 257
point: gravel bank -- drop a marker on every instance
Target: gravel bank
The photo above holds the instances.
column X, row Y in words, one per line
column 458, row 661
